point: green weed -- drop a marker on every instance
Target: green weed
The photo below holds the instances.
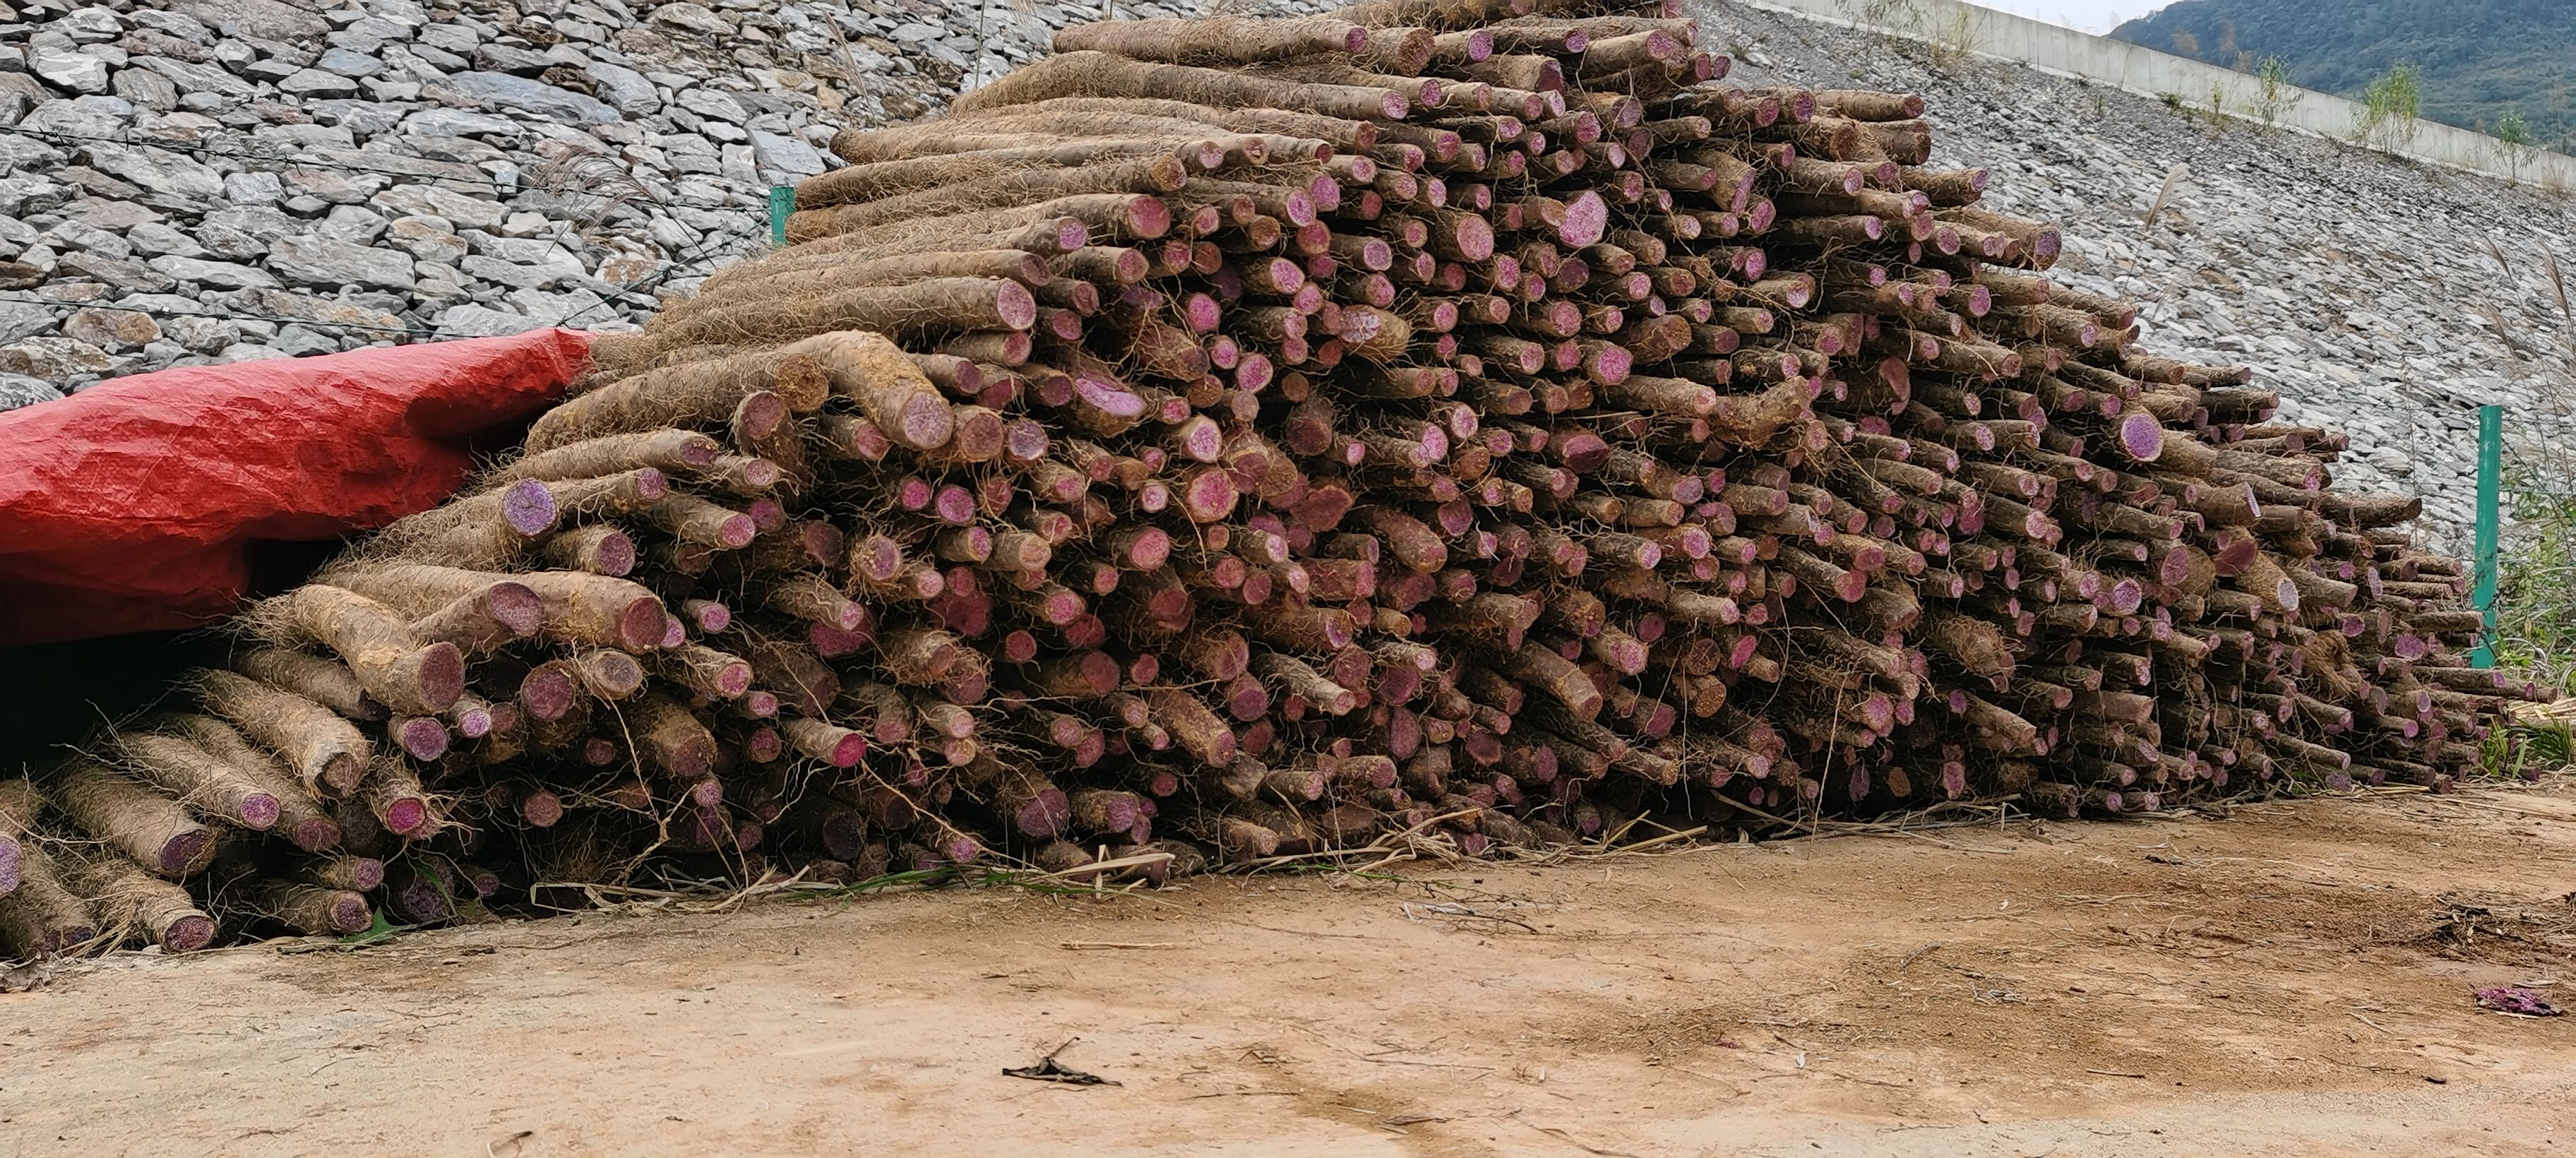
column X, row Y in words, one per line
column 2513, row 128
column 2391, row 108
column 2277, row 93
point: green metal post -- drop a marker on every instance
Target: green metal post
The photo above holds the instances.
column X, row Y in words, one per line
column 782, row 201
column 2490, row 495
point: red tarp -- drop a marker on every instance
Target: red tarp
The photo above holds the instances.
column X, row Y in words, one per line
column 132, row 505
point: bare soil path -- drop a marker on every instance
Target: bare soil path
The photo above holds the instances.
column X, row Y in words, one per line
column 2294, row 979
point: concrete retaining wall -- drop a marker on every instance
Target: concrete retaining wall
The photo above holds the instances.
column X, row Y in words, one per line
column 1958, row 26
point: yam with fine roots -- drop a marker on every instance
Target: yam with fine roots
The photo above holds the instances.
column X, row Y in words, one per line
column 325, row 681
column 1019, row 161
column 132, row 818
column 1018, row 265
column 1046, row 228
column 482, row 618
column 17, row 818
column 208, row 785
column 670, row 450
column 524, row 510
column 42, row 917
column 576, row 608
column 313, row 910
column 691, row 393
column 395, row 668
column 999, row 186
column 326, row 752
column 928, row 306
column 126, row 900
column 300, row 818
column 1215, row 40
column 1098, row 74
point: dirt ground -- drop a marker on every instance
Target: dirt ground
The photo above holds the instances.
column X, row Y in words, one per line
column 2292, row 979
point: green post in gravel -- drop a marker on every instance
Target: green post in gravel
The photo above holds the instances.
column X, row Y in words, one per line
column 782, row 201
column 2490, row 484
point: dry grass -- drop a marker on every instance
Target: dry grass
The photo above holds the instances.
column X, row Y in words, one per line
column 2566, row 314
column 576, row 169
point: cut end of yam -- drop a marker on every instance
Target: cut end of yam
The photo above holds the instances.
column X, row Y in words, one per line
column 340, row 774
column 541, row 809
column 257, row 811
column 642, row 624
column 1147, row 218
column 760, row 414
column 516, row 607
column 184, row 853
column 615, row 556
column 348, row 913
column 2142, row 437
column 1148, row 549
column 438, row 673
column 406, row 816
column 421, row 737
column 733, row 533
column 529, row 507
column 1587, row 218
column 924, row 422
column 1015, row 305
column 548, row 689
column 693, row 759
column 1044, row 814
column 188, row 934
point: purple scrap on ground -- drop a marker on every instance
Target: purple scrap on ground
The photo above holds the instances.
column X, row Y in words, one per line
column 2516, row 999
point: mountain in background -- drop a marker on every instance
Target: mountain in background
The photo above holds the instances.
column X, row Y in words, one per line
column 2481, row 59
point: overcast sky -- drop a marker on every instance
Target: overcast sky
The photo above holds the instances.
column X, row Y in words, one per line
column 2089, row 15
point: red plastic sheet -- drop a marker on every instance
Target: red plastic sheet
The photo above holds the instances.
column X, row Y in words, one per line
column 133, row 505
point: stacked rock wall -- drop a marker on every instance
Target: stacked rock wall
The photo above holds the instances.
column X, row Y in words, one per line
column 204, row 181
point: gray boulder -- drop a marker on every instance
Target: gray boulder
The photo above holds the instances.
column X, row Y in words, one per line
column 473, row 321
column 153, row 238
column 87, row 116
column 18, row 390
column 24, row 320
column 193, row 78
column 313, row 82
column 224, row 274
column 502, row 91
column 157, row 170
column 462, row 209
column 125, row 276
column 63, row 65
column 534, row 275
column 459, row 123
column 694, row 18
column 56, row 359
column 783, row 156
column 626, row 89
column 319, row 261
column 148, row 90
